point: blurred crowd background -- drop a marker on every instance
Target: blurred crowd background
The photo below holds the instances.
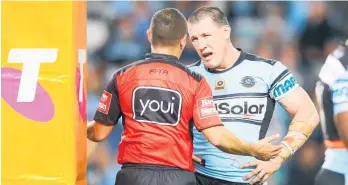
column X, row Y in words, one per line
column 299, row 34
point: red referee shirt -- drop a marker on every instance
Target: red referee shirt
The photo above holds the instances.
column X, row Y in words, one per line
column 158, row 98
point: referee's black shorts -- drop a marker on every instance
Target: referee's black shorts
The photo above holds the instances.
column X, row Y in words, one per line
column 139, row 174
column 327, row 177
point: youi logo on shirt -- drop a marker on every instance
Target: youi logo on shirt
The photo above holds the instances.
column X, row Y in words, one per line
column 156, row 105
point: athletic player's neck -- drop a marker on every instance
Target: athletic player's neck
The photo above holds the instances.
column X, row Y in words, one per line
column 167, row 51
column 231, row 57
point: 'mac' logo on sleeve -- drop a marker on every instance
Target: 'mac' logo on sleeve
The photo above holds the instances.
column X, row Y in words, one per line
column 284, row 86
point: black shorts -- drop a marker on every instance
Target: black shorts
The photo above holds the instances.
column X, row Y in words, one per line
column 327, row 177
column 205, row 180
column 138, row 174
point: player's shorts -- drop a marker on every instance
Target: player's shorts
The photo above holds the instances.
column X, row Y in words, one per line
column 139, row 174
column 328, row 177
column 205, row 180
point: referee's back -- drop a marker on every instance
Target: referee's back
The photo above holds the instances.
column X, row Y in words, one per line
column 156, row 98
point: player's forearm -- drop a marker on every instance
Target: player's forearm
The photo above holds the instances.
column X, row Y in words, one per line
column 305, row 120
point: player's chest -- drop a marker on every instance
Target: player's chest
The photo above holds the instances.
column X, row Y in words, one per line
column 242, row 83
column 242, row 97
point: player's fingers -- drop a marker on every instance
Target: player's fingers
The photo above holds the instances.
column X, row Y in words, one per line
column 249, row 164
column 272, row 138
column 265, row 178
column 258, row 177
column 252, row 173
column 197, row 159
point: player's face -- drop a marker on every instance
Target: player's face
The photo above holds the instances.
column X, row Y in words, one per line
column 208, row 40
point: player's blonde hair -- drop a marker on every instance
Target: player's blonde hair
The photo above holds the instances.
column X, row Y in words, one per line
column 209, row 11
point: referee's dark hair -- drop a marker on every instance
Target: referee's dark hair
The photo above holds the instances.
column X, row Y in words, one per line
column 168, row 26
column 209, row 11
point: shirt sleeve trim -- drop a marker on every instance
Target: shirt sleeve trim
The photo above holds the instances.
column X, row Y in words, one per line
column 200, row 130
column 280, row 77
column 104, row 122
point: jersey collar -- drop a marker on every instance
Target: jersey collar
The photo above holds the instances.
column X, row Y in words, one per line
column 160, row 56
column 239, row 60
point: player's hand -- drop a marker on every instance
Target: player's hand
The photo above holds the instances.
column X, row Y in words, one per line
column 263, row 170
column 265, row 150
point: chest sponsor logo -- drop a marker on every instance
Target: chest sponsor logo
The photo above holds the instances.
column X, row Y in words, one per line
column 156, row 105
column 241, row 108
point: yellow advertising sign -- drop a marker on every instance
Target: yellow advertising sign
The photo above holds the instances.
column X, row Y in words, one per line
column 43, row 94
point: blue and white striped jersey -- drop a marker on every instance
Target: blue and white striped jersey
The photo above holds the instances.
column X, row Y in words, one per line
column 244, row 96
column 332, row 96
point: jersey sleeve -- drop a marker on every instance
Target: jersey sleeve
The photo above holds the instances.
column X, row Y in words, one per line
column 282, row 82
column 339, row 94
column 205, row 114
column 109, row 110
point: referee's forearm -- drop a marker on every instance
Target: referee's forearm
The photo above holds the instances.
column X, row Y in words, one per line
column 91, row 131
column 230, row 143
column 226, row 141
column 97, row 131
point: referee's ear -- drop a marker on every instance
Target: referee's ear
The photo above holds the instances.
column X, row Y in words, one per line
column 227, row 32
column 183, row 42
column 149, row 35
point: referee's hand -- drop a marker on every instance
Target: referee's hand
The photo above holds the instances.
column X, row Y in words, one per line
column 198, row 160
column 265, row 150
